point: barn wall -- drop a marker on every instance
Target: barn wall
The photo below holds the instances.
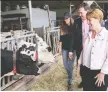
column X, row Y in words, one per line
column 40, row 17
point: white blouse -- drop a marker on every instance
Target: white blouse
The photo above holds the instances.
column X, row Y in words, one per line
column 87, row 58
column 95, row 52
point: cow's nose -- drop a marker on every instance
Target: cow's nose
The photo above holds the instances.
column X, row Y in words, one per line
column 28, row 52
column 49, row 49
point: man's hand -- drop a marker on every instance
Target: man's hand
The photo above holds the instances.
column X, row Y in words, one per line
column 100, row 79
column 78, row 70
column 70, row 55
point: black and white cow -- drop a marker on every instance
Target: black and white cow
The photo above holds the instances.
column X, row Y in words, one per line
column 44, row 51
column 27, row 54
column 24, row 64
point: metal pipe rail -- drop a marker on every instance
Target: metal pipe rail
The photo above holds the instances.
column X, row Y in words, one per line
column 7, row 80
column 51, row 37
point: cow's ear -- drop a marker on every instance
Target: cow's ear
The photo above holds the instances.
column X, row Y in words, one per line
column 24, row 46
column 49, row 49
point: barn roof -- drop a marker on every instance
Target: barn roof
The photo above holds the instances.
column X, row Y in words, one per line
column 53, row 4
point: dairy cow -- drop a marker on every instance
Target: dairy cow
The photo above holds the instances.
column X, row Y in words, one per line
column 27, row 62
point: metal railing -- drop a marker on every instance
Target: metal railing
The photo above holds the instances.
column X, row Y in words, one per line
column 50, row 36
column 9, row 43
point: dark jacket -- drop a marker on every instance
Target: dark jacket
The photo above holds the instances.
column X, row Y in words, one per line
column 77, row 45
column 71, row 37
column 106, row 24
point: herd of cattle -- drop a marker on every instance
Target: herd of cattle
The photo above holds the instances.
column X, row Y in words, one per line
column 29, row 56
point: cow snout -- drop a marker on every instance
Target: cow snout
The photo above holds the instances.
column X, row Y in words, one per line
column 49, row 49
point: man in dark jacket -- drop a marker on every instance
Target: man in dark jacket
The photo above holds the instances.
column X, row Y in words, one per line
column 81, row 29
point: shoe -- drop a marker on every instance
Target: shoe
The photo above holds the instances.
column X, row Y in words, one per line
column 70, row 88
column 80, row 85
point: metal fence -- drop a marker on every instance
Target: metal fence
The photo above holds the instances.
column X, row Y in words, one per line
column 10, row 45
column 49, row 35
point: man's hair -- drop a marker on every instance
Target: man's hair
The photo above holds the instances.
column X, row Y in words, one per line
column 85, row 6
column 95, row 13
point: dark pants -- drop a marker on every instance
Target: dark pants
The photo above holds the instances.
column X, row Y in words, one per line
column 89, row 80
column 81, row 66
column 78, row 55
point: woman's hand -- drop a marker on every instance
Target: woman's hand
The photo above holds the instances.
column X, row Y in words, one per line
column 100, row 79
column 70, row 55
column 60, row 51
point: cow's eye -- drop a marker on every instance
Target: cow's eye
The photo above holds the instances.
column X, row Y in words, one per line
column 28, row 52
column 49, row 49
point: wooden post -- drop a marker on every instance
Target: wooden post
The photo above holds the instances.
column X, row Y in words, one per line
column 30, row 14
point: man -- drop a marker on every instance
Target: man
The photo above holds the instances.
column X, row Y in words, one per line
column 81, row 29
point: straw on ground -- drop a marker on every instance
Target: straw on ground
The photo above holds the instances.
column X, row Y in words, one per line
column 55, row 79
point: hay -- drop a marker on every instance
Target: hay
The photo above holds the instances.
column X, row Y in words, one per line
column 55, row 79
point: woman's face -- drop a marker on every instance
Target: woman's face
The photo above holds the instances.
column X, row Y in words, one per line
column 67, row 21
column 93, row 23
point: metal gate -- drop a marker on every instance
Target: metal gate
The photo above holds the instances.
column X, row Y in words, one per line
column 9, row 44
column 51, row 37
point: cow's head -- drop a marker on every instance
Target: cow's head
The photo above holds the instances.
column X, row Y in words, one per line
column 28, row 49
column 44, row 51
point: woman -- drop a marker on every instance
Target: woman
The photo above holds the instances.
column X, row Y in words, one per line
column 66, row 40
column 94, row 56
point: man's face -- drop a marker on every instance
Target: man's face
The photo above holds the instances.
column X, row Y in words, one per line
column 82, row 13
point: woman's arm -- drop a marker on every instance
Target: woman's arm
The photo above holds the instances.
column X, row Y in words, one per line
column 105, row 65
column 60, row 48
column 104, row 70
column 60, row 42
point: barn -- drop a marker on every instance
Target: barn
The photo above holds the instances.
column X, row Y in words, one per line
column 23, row 21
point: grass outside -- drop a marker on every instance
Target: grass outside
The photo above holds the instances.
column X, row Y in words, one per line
column 56, row 79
